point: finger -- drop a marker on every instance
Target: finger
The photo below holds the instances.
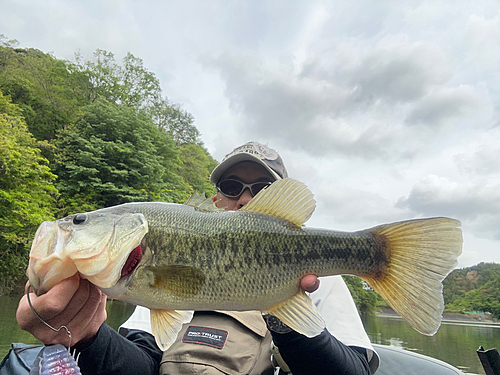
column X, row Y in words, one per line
column 309, row 283
column 50, row 308
column 26, row 286
column 74, row 305
column 90, row 317
column 65, row 317
column 87, row 306
column 28, row 321
column 55, row 301
column 46, row 306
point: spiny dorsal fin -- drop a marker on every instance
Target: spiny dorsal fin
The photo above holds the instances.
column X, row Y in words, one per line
column 288, row 199
column 200, row 202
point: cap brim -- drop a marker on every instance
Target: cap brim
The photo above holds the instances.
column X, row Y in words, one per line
column 235, row 159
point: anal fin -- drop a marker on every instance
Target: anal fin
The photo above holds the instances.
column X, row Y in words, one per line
column 166, row 324
column 300, row 314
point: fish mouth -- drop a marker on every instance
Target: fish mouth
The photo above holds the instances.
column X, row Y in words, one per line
column 132, row 261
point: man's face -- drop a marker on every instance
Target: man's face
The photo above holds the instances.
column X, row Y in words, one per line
column 247, row 172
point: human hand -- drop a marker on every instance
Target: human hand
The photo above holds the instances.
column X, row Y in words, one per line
column 309, row 283
column 74, row 303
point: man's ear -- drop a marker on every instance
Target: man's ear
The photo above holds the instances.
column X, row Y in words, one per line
column 214, row 198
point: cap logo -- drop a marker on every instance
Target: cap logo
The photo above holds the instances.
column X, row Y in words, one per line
column 256, row 149
column 266, row 151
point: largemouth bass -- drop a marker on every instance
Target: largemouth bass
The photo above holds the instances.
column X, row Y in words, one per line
column 176, row 258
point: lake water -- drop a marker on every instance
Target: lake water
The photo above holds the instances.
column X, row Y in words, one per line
column 455, row 342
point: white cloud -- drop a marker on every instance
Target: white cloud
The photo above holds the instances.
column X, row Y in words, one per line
column 434, row 193
column 482, row 37
column 357, row 108
column 398, row 70
column 444, row 105
column 481, row 158
column 476, row 204
column 483, row 161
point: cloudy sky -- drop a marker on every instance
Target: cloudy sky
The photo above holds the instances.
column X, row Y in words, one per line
column 387, row 110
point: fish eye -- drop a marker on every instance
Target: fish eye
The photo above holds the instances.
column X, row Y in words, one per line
column 79, row 219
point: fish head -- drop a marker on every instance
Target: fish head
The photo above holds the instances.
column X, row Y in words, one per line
column 97, row 244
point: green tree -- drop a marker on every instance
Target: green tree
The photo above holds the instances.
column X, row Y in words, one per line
column 27, row 194
column 104, row 128
column 112, row 156
column 6, row 42
column 101, row 76
column 132, row 85
column 43, row 87
column 486, row 298
column 140, row 88
column 51, row 92
column 364, row 297
column 461, row 281
column 197, row 164
column 177, row 122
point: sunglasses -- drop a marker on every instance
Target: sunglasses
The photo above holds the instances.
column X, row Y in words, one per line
column 234, row 188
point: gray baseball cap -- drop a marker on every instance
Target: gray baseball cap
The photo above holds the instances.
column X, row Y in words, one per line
column 255, row 152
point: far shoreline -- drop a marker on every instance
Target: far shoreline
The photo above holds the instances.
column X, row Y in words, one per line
column 466, row 317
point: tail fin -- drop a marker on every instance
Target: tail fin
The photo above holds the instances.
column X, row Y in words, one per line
column 422, row 253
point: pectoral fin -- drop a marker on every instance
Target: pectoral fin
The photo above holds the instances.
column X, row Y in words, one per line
column 166, row 324
column 300, row 314
column 181, row 281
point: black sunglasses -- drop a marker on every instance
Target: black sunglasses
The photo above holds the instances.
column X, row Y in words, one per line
column 234, row 188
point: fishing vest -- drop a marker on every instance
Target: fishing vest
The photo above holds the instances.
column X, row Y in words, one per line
column 223, row 342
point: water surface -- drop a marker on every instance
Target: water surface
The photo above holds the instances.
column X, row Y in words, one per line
column 455, row 342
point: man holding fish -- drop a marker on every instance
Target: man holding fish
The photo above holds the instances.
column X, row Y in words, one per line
column 253, row 256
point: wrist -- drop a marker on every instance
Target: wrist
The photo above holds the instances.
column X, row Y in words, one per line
column 275, row 325
column 85, row 342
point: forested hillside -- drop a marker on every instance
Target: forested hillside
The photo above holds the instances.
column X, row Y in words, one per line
column 85, row 134
column 475, row 288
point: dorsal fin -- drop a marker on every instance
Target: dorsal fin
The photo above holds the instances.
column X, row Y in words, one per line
column 200, row 202
column 288, row 199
